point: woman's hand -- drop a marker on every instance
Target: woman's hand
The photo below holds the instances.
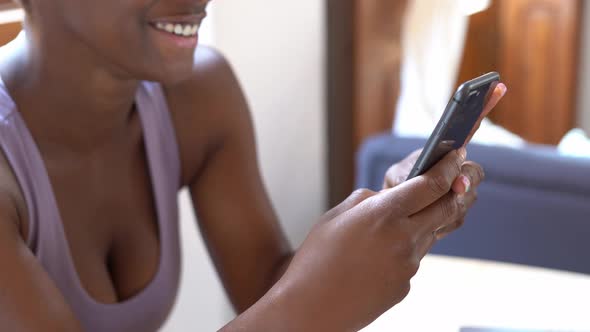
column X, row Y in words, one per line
column 358, row 261
column 400, row 171
column 465, row 184
column 462, row 185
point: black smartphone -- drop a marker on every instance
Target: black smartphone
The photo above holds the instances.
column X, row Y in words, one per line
column 457, row 122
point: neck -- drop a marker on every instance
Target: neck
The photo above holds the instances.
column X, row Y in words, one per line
column 59, row 85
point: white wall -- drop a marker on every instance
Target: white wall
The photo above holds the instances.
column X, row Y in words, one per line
column 277, row 50
column 584, row 72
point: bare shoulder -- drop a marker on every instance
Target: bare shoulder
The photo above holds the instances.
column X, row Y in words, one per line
column 212, row 84
column 206, row 109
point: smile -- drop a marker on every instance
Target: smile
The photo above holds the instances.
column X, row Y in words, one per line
column 178, row 29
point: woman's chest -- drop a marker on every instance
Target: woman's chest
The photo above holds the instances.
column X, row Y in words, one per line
column 108, row 211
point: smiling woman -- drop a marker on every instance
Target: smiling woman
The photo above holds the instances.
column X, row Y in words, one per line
column 106, row 276
column 107, row 110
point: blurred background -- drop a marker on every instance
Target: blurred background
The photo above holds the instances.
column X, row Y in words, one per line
column 323, row 77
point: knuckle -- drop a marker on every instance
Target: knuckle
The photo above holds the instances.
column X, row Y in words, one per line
column 361, row 192
column 456, row 166
column 474, row 171
column 439, row 184
column 405, row 291
column 391, row 178
column 360, row 195
column 386, row 182
column 389, row 172
column 450, row 208
column 413, row 267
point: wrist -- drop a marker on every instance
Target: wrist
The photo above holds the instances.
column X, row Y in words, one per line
column 273, row 312
column 295, row 305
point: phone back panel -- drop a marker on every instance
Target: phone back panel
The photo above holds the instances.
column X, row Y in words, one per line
column 457, row 122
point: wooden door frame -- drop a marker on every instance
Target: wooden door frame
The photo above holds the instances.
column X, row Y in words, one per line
column 363, row 60
column 340, row 101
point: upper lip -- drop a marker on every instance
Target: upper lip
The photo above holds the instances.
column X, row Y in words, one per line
column 182, row 19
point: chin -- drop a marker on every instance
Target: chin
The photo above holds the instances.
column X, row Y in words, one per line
column 175, row 77
column 168, row 75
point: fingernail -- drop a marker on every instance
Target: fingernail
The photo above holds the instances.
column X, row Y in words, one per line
column 463, row 153
column 466, row 183
column 503, row 89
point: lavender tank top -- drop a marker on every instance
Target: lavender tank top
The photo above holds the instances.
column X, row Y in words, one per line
column 147, row 310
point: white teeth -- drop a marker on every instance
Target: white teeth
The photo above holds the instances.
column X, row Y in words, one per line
column 178, row 29
column 185, row 30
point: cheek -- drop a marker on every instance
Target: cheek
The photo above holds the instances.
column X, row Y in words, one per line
column 107, row 26
column 119, row 35
column 118, row 32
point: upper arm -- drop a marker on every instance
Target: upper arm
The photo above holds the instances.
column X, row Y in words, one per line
column 29, row 300
column 235, row 215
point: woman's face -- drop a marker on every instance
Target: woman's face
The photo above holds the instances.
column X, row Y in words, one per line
column 139, row 39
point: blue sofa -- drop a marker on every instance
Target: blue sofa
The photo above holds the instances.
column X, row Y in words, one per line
column 533, row 209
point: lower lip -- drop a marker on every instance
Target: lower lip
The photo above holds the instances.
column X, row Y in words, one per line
column 179, row 41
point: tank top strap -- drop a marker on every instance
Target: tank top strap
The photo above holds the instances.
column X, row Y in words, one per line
column 160, row 134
